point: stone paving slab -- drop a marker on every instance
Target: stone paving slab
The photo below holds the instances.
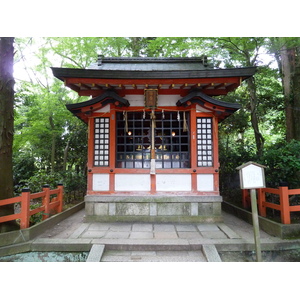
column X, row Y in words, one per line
column 214, row 234
column 211, row 253
column 142, row 227
column 93, row 234
column 165, row 235
column 189, row 235
column 141, row 235
column 98, row 226
column 79, row 231
column 208, row 227
column 164, row 227
column 185, row 227
column 228, row 231
column 117, row 234
column 96, row 253
column 120, row 227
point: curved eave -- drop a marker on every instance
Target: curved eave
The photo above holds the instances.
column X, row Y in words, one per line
column 83, row 109
column 221, row 109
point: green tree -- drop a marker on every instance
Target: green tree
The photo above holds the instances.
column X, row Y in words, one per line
column 244, row 52
column 287, row 53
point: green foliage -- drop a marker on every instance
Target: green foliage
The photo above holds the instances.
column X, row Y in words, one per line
column 36, row 218
column 283, row 164
column 70, row 179
column 40, row 178
column 23, row 167
column 233, row 153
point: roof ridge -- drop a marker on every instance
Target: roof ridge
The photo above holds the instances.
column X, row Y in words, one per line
column 101, row 58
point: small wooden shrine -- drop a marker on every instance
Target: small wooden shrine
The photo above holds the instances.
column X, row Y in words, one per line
column 153, row 136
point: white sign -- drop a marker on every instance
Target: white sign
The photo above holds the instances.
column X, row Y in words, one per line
column 252, row 176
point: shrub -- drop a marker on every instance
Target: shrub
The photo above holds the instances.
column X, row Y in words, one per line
column 283, row 164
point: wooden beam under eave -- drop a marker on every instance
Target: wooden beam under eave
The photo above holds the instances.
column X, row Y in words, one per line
column 208, row 86
column 84, row 86
column 96, row 86
column 154, row 82
column 232, row 87
column 184, row 85
column 74, row 87
column 218, row 86
column 196, row 86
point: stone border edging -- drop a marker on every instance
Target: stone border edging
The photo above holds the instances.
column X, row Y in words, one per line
column 283, row 231
column 25, row 235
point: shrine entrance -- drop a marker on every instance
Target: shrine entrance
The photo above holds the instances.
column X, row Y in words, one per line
column 164, row 132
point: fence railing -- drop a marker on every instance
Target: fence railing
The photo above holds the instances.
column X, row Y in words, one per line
column 284, row 202
column 52, row 202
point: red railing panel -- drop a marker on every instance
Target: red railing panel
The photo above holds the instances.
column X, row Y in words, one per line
column 48, row 205
column 284, row 202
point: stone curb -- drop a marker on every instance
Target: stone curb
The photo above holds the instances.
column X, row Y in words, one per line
column 24, row 235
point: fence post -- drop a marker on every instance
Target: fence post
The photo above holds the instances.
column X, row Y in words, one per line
column 246, row 198
column 261, row 199
column 25, row 208
column 284, row 205
column 46, row 201
column 60, row 197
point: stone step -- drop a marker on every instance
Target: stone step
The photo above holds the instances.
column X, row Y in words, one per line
column 136, row 253
column 153, row 256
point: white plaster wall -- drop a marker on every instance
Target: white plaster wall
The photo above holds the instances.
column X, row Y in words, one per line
column 205, row 182
column 135, row 100
column 100, row 182
column 201, row 109
column 163, row 100
column 106, row 108
column 132, row 182
column 173, row 182
column 168, row 100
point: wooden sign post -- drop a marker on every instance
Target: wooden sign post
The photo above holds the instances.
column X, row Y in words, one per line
column 252, row 177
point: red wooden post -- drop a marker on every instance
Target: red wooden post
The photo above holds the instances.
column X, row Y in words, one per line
column 246, row 198
column 46, row 201
column 284, row 205
column 25, row 207
column 261, row 200
column 60, row 197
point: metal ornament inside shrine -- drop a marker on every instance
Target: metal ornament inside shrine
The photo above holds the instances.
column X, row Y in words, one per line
column 153, row 136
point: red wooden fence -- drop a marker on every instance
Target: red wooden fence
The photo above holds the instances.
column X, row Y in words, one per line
column 284, row 202
column 49, row 204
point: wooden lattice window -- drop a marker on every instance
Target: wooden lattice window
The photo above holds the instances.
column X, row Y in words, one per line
column 101, row 142
column 204, row 142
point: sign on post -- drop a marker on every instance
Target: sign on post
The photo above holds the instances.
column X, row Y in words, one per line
column 252, row 176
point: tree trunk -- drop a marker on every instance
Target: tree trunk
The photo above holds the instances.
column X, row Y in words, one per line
column 291, row 87
column 259, row 139
column 66, row 151
column 53, row 143
column 6, row 128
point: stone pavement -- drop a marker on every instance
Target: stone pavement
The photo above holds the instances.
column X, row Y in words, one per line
column 157, row 242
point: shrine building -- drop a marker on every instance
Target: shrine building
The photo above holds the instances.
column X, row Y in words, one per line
column 153, row 136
